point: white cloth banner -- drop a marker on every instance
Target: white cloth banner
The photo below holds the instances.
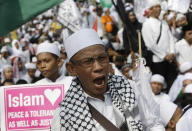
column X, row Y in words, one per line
column 181, row 6
column 69, row 15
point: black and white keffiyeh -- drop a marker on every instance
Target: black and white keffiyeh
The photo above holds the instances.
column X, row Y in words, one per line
column 75, row 114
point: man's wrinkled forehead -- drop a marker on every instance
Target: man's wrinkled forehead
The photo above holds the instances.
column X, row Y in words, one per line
column 86, row 51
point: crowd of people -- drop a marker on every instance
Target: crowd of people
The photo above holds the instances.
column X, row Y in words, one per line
column 98, row 64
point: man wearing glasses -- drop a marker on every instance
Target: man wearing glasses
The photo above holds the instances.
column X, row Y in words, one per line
column 96, row 100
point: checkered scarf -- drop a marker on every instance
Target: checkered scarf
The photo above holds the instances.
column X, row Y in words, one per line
column 75, row 114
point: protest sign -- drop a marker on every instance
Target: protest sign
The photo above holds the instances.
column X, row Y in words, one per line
column 29, row 107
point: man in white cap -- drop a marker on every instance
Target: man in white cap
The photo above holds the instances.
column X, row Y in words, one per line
column 184, row 47
column 30, row 75
column 157, row 83
column 159, row 40
column 48, row 62
column 170, row 114
column 178, row 89
column 184, row 68
column 4, row 59
column 95, row 100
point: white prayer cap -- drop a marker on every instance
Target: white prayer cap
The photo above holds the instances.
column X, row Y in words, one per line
column 48, row 47
column 7, row 40
column 187, row 76
column 167, row 109
column 105, row 9
column 34, row 59
column 170, row 16
column 158, row 78
column 180, row 16
column 4, row 49
column 153, row 3
column 30, row 66
column 7, row 67
column 185, row 66
column 188, row 89
column 128, row 7
column 81, row 40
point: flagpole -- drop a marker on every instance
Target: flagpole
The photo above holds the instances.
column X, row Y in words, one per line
column 139, row 42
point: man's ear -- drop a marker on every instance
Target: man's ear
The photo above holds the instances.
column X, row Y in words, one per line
column 60, row 62
column 71, row 69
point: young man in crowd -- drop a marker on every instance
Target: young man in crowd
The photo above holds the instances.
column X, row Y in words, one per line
column 157, row 83
column 94, row 90
column 48, row 62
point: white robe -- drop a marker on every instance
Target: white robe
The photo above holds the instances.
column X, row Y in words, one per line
column 161, row 96
column 184, row 124
column 150, row 33
column 66, row 80
column 176, row 87
column 183, row 51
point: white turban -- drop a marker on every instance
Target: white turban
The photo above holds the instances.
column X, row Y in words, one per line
column 158, row 78
column 188, row 89
column 4, row 49
column 30, row 66
column 48, row 47
column 187, row 76
column 152, row 3
column 180, row 16
column 7, row 67
column 167, row 109
column 80, row 40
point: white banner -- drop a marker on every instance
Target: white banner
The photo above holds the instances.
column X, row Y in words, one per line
column 69, row 15
column 181, row 6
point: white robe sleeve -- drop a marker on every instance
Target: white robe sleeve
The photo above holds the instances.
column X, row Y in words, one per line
column 184, row 124
column 172, row 43
column 148, row 108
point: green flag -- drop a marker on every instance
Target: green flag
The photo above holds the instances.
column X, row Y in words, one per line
column 14, row 13
column 106, row 3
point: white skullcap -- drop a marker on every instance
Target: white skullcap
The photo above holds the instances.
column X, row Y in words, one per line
column 188, row 89
column 158, row 78
column 153, row 3
column 170, row 16
column 187, row 76
column 7, row 40
column 7, row 67
column 167, row 109
column 4, row 49
column 30, row 66
column 48, row 47
column 34, row 59
column 180, row 16
column 81, row 40
column 128, row 7
column 105, row 9
column 185, row 66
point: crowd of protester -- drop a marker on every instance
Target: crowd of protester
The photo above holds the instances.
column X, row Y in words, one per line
column 166, row 44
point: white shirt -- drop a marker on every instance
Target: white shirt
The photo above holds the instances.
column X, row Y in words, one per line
column 104, row 107
column 183, row 51
column 150, row 33
column 184, row 123
column 161, row 96
column 66, row 80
